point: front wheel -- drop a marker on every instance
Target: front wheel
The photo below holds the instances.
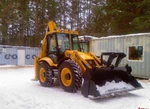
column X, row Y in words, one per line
column 45, row 75
column 70, row 77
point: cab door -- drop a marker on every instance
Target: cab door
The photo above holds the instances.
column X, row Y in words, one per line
column 52, row 47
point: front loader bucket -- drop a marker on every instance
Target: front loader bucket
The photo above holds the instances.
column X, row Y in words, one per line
column 107, row 82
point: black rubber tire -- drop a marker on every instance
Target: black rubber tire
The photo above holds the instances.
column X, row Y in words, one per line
column 76, row 76
column 48, row 73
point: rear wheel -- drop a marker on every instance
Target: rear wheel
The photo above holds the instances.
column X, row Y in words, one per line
column 45, row 75
column 70, row 77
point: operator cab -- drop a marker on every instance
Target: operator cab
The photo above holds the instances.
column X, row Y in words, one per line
column 59, row 42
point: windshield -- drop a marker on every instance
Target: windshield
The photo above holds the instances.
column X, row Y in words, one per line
column 75, row 40
column 63, row 42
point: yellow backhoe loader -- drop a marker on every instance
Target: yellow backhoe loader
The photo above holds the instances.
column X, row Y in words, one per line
column 61, row 58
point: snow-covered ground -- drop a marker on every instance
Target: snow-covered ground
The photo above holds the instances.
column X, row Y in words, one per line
column 17, row 91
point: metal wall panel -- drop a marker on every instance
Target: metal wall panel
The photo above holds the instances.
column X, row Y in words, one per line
column 122, row 43
column 9, row 54
column 30, row 54
column 1, row 55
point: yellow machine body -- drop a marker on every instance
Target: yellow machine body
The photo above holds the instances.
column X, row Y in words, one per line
column 61, row 58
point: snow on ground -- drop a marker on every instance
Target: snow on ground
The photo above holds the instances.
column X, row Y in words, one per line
column 7, row 66
column 17, row 91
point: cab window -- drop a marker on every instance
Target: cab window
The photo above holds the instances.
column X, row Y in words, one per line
column 75, row 44
column 63, row 42
column 52, row 45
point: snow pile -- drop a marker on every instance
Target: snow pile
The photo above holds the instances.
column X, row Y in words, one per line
column 113, row 87
column 4, row 66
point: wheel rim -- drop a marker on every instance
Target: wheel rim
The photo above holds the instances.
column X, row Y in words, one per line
column 66, row 77
column 42, row 75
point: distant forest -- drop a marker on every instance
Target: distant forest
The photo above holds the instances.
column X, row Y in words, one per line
column 24, row 22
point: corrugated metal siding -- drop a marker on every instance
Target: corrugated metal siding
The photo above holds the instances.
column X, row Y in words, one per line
column 9, row 54
column 1, row 56
column 121, row 44
column 30, row 54
column 147, row 55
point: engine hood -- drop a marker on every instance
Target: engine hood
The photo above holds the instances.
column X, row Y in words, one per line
column 84, row 56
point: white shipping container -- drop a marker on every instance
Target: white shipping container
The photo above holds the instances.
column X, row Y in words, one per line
column 17, row 55
column 135, row 46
